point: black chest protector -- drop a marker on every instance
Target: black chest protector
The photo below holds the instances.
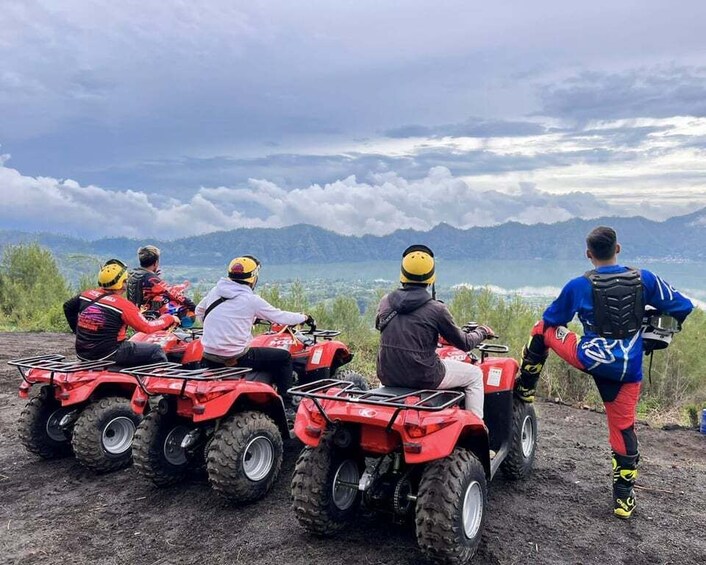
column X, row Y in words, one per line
column 134, row 286
column 618, row 303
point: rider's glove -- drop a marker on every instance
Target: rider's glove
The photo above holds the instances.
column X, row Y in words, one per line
column 487, row 331
column 310, row 320
column 176, row 321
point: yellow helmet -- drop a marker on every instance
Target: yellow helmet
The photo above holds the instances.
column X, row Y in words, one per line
column 244, row 269
column 112, row 275
column 417, row 265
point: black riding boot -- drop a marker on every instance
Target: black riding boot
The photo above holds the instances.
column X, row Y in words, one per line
column 624, row 475
column 534, row 354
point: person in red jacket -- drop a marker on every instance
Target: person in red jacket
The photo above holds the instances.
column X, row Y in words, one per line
column 100, row 318
column 145, row 287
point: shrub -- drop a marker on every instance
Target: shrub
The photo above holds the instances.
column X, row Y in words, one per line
column 32, row 289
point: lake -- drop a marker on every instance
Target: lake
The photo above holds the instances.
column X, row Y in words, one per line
column 531, row 278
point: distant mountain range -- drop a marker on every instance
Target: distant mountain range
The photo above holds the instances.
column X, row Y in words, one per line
column 682, row 238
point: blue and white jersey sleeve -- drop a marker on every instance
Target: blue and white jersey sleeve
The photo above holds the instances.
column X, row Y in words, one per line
column 564, row 308
column 661, row 295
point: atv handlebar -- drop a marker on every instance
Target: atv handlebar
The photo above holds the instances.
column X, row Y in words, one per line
column 471, row 326
column 493, row 348
column 323, row 334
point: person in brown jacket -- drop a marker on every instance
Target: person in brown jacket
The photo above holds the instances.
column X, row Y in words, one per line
column 410, row 322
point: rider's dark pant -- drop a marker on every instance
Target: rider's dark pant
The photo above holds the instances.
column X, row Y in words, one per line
column 274, row 361
column 131, row 354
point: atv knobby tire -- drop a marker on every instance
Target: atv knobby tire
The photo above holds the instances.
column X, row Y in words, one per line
column 103, row 434
column 313, row 487
column 245, row 456
column 523, row 442
column 351, row 376
column 447, row 485
column 149, row 449
column 34, row 422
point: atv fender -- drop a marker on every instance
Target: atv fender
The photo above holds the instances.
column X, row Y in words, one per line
column 193, row 352
column 329, row 354
column 499, row 374
column 139, row 401
column 203, row 404
column 90, row 383
column 476, row 441
column 38, row 377
column 421, row 442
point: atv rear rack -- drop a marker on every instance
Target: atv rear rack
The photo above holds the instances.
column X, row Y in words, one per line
column 168, row 370
column 429, row 400
column 54, row 363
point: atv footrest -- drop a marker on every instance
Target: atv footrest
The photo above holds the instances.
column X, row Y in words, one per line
column 167, row 370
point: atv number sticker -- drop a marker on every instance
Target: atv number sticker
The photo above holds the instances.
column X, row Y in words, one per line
column 494, row 375
column 281, row 343
column 316, row 357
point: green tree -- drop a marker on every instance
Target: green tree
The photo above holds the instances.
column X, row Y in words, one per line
column 32, row 289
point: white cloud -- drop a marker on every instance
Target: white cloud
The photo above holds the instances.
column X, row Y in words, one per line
column 650, row 167
column 346, row 206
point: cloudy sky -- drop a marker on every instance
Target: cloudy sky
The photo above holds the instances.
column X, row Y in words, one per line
column 170, row 118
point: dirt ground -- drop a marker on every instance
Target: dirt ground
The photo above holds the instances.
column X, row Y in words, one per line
column 57, row 512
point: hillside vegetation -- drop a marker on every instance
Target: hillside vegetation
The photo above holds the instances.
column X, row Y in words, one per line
column 32, row 291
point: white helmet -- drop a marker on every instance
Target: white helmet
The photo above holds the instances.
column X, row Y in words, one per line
column 658, row 330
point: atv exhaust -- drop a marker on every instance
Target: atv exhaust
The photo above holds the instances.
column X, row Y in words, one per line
column 191, row 439
column 69, row 419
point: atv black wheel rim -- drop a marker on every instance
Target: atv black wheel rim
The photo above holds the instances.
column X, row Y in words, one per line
column 472, row 512
column 174, row 453
column 54, row 430
column 258, row 458
column 117, row 435
column 345, row 484
column 527, row 437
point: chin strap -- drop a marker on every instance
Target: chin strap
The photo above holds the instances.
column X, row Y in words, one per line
column 433, row 291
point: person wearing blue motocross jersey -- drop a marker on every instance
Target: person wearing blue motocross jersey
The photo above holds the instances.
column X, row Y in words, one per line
column 610, row 301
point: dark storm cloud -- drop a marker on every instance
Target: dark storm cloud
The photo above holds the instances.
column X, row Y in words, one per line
column 295, row 170
column 649, row 92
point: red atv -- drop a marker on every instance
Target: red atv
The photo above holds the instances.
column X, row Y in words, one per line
column 226, row 417
column 84, row 406
column 411, row 453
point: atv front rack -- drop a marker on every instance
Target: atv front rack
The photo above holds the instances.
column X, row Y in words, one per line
column 487, row 348
column 54, row 363
column 168, row 370
column 426, row 400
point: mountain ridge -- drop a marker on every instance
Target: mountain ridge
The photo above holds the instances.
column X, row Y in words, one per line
column 677, row 238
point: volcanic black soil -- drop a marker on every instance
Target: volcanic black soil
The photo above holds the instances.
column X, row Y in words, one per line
column 57, row 512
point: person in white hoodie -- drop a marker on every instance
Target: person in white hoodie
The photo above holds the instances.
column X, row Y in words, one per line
column 228, row 312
